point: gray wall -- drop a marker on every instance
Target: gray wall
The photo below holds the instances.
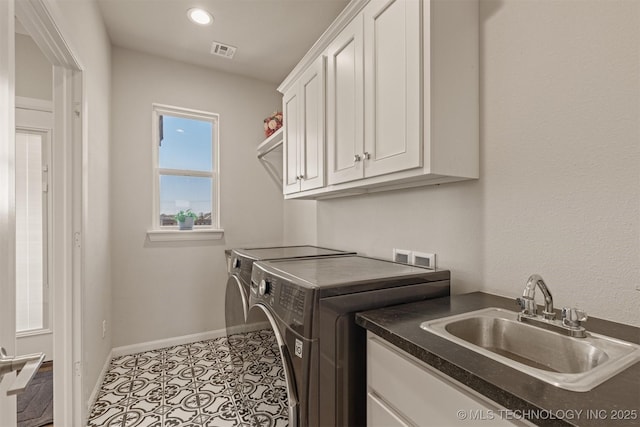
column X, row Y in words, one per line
column 164, row 290
column 33, row 70
column 559, row 191
column 301, row 222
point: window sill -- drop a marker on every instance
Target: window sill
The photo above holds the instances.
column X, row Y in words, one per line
column 33, row 332
column 184, row 235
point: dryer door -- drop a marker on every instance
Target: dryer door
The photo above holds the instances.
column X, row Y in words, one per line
column 269, row 395
column 235, row 313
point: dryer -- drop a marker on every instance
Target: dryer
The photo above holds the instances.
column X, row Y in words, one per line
column 308, row 364
column 239, row 265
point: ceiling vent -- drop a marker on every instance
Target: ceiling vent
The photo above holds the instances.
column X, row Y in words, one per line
column 223, row 50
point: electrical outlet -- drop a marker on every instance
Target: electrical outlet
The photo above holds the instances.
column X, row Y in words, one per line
column 104, row 328
column 423, row 259
column 402, row 255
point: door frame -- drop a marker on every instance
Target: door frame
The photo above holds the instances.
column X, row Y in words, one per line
column 67, row 180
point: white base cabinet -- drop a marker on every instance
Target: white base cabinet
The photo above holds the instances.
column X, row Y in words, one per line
column 404, row 391
column 402, row 99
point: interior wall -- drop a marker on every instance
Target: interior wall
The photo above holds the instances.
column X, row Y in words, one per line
column 559, row 191
column 84, row 31
column 300, row 222
column 164, row 290
column 33, row 70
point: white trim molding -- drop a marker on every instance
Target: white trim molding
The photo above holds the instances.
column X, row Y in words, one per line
column 98, row 386
column 157, row 230
column 342, row 20
column 167, row 342
column 34, row 104
column 184, row 235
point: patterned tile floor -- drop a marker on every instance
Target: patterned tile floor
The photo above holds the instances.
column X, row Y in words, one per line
column 196, row 385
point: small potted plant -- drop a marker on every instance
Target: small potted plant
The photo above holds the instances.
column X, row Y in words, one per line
column 185, row 219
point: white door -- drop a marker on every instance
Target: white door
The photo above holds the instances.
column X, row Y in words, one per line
column 312, row 122
column 33, row 295
column 291, row 161
column 392, row 78
column 7, row 228
column 345, row 104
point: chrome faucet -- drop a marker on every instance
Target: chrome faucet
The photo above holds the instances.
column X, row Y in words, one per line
column 571, row 317
column 528, row 300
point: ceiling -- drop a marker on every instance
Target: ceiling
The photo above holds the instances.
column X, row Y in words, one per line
column 271, row 36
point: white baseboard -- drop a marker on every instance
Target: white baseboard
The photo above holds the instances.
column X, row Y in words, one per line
column 167, row 342
column 99, row 381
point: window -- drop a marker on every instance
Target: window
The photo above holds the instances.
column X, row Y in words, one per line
column 186, row 165
column 32, row 212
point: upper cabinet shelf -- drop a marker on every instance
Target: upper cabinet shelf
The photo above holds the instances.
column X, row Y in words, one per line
column 394, row 104
column 270, row 144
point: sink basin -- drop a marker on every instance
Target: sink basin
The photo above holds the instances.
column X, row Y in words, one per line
column 576, row 364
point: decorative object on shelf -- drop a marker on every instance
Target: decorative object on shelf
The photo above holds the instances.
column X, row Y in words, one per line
column 272, row 124
column 185, row 219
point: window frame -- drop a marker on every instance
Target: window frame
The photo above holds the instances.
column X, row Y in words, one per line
column 200, row 232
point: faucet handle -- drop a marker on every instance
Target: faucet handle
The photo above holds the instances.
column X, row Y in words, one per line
column 573, row 317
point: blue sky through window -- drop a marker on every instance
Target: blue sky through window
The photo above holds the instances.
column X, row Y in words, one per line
column 186, row 145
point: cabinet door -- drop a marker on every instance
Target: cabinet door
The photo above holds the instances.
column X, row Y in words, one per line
column 392, row 86
column 291, row 161
column 345, row 141
column 312, row 142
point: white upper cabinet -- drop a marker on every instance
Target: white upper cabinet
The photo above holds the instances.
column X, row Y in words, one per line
column 402, row 103
column 291, row 138
column 345, row 142
column 373, row 117
column 304, row 142
column 392, row 86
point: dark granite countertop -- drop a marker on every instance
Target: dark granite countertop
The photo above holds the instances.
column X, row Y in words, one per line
column 618, row 397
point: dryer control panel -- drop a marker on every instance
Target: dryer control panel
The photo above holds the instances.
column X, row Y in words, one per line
column 290, row 303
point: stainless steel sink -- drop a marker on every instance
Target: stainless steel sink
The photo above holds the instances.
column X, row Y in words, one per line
column 576, row 364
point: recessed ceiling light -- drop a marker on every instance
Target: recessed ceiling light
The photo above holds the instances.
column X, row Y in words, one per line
column 200, row 16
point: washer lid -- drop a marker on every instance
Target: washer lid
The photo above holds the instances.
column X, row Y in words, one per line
column 281, row 252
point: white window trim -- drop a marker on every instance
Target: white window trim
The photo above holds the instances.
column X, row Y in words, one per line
column 157, row 233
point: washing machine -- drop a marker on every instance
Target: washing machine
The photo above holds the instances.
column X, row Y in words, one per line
column 239, row 265
column 307, row 363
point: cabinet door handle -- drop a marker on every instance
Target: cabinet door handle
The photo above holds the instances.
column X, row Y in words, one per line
column 367, row 155
column 357, row 158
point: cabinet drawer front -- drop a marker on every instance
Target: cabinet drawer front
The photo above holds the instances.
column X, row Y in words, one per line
column 379, row 415
column 421, row 395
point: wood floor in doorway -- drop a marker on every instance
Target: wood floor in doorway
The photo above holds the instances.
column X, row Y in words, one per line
column 35, row 404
